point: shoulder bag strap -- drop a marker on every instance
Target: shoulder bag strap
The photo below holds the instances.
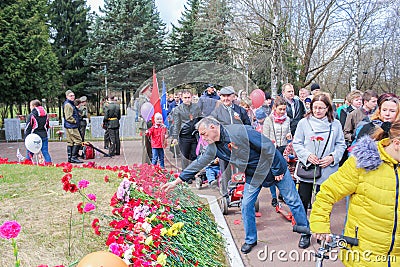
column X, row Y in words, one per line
column 273, row 128
column 329, row 136
column 326, row 144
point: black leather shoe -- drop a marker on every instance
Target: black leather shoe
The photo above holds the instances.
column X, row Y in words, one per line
column 304, row 241
column 246, row 248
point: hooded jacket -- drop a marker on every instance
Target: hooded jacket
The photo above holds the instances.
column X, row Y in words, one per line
column 207, row 102
column 37, row 122
column 371, row 179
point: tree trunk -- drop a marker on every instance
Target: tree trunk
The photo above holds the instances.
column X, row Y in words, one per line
column 275, row 49
column 356, row 49
column 123, row 102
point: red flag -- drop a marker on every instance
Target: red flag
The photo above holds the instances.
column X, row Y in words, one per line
column 155, row 96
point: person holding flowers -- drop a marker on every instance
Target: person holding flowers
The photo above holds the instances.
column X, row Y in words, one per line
column 318, row 140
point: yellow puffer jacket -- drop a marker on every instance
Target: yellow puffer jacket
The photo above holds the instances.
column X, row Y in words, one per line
column 370, row 178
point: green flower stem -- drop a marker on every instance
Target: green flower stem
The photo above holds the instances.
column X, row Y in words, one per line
column 15, row 249
column 314, row 184
column 83, row 216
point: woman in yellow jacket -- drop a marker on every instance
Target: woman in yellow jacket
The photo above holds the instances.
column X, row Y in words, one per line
column 371, row 179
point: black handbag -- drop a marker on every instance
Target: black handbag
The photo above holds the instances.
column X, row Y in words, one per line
column 311, row 171
column 308, row 172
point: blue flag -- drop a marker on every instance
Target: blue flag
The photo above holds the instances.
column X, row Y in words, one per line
column 164, row 105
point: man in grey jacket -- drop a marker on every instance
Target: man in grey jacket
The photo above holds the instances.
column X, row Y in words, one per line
column 227, row 112
column 185, row 117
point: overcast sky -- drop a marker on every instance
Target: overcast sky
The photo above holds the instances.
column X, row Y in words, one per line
column 170, row 10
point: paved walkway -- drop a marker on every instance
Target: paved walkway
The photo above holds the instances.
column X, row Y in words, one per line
column 274, row 232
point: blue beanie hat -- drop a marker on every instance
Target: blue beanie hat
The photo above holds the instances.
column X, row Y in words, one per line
column 260, row 114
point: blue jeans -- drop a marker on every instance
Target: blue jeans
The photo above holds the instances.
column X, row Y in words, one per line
column 272, row 188
column 288, row 190
column 44, row 149
column 158, row 154
column 212, row 173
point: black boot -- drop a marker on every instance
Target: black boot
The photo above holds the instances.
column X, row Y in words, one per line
column 69, row 152
column 74, row 158
column 304, row 241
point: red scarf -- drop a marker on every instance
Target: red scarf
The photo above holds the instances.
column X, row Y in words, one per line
column 277, row 119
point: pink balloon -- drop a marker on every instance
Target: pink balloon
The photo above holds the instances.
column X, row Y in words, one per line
column 257, row 98
column 147, row 111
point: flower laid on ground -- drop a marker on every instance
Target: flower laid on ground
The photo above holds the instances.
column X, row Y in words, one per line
column 10, row 230
column 87, row 204
column 149, row 228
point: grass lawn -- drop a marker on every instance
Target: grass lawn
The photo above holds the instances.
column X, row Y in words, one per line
column 51, row 227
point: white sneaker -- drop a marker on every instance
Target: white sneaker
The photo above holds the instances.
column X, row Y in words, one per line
column 213, row 184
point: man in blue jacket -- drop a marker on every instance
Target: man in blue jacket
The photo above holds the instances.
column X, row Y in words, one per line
column 71, row 125
column 255, row 156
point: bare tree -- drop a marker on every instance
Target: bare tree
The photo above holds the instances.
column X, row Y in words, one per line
column 341, row 44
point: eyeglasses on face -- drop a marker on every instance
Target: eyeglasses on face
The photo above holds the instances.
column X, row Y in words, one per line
column 319, row 108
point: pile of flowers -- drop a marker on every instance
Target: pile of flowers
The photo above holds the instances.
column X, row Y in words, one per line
column 148, row 227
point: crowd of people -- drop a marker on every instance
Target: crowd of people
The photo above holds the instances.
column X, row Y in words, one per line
column 353, row 152
column 362, row 135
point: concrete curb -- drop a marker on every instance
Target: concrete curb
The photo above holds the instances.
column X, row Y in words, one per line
column 231, row 249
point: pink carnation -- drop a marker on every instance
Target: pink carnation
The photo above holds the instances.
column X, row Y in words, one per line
column 91, row 197
column 114, row 247
column 10, row 229
column 89, row 207
column 83, row 184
